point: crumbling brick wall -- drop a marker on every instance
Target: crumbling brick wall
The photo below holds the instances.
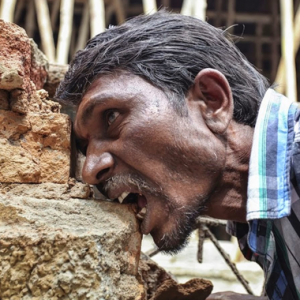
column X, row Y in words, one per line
column 54, row 244
column 34, row 136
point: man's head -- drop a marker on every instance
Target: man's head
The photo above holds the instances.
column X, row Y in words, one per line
column 156, row 97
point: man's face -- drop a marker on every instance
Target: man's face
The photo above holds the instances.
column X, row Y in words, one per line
column 135, row 143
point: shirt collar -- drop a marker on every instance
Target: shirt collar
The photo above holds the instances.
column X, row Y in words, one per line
column 269, row 168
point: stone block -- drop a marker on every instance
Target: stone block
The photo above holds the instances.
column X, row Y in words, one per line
column 77, row 249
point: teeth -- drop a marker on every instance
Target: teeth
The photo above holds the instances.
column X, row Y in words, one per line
column 123, row 196
column 142, row 213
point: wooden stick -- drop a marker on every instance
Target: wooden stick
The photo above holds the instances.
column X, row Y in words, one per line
column 65, row 31
column 7, row 10
column 97, row 13
column 243, row 17
column 149, row 6
column 280, row 78
column 288, row 48
column 43, row 17
column 84, row 28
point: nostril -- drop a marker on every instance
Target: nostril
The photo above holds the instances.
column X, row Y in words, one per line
column 97, row 166
column 101, row 173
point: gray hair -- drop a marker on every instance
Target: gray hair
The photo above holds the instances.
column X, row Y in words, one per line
column 168, row 50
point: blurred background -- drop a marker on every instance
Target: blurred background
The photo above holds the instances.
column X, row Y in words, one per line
column 268, row 31
column 268, row 34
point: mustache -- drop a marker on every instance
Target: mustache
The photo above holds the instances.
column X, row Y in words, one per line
column 128, row 180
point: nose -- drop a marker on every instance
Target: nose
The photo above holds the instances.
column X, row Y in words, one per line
column 97, row 167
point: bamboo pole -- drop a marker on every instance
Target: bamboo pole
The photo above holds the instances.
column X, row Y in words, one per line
column 65, row 31
column 84, row 28
column 149, row 6
column 7, row 10
column 194, row 8
column 97, row 13
column 200, row 9
column 187, row 7
column 288, row 48
column 43, row 17
column 280, row 78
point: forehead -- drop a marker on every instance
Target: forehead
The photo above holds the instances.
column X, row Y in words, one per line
column 116, row 85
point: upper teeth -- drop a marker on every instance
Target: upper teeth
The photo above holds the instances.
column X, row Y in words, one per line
column 123, row 196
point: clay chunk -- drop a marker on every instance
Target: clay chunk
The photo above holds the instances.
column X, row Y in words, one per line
column 194, row 289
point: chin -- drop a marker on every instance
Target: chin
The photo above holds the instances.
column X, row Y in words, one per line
column 171, row 246
column 173, row 236
column 174, row 241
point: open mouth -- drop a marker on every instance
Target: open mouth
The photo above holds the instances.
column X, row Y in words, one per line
column 137, row 198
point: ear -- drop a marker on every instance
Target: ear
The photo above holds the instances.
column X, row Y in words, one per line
column 211, row 94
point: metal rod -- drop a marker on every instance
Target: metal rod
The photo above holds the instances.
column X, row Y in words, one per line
column 232, row 265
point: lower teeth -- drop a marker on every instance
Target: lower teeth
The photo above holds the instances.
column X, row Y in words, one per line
column 142, row 213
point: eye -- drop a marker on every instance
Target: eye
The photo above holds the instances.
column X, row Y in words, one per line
column 111, row 116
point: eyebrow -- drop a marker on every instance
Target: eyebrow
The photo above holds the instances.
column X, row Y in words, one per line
column 101, row 100
column 97, row 100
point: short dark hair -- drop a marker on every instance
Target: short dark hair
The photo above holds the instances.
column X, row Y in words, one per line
column 168, row 50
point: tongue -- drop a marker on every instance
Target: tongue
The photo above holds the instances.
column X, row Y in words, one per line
column 142, row 201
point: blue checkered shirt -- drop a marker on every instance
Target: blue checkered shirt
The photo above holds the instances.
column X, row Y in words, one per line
column 272, row 235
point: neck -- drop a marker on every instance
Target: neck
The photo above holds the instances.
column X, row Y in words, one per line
column 230, row 198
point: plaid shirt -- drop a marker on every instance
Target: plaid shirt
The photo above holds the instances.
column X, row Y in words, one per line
column 272, row 235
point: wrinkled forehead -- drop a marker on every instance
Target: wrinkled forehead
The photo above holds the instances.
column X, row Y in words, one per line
column 117, row 88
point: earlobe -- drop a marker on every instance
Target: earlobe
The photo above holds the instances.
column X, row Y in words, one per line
column 213, row 97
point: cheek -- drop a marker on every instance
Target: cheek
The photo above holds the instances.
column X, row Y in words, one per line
column 147, row 136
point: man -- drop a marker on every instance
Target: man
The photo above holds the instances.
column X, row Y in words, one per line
column 170, row 116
